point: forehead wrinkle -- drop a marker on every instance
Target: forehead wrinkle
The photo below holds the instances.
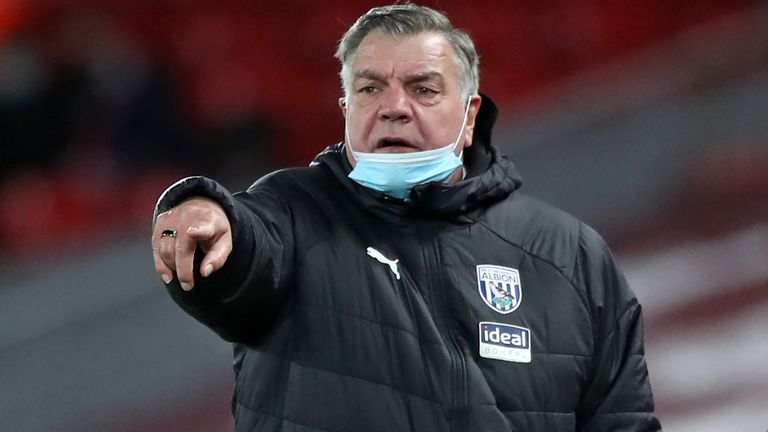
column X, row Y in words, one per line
column 423, row 76
column 370, row 74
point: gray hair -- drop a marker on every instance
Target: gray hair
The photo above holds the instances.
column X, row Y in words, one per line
column 409, row 20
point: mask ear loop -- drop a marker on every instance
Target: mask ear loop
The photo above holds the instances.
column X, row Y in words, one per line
column 461, row 131
column 347, row 141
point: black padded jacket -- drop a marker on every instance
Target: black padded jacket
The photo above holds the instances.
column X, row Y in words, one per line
column 466, row 307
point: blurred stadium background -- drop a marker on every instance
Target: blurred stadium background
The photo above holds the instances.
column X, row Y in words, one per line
column 649, row 120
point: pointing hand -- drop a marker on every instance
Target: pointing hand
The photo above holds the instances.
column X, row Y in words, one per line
column 179, row 231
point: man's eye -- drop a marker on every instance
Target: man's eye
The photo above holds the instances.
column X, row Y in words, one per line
column 368, row 89
column 425, row 91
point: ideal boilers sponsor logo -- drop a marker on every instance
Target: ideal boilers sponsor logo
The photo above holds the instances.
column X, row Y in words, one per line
column 505, row 342
column 499, row 287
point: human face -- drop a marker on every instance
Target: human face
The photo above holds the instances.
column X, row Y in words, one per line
column 404, row 96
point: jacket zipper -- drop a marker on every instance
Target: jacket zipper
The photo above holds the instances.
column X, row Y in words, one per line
column 438, row 283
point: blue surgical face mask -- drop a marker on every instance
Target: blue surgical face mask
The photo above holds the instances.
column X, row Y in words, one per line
column 395, row 174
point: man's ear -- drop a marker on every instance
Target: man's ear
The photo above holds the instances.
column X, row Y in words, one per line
column 474, row 108
column 343, row 106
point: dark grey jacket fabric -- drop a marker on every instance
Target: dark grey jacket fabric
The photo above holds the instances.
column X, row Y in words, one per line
column 330, row 338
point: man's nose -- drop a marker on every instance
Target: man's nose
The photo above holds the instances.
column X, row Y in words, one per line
column 395, row 106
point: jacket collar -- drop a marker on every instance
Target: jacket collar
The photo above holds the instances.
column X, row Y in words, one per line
column 491, row 177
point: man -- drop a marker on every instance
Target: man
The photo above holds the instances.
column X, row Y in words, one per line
column 400, row 282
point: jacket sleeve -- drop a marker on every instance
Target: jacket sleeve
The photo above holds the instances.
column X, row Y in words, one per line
column 240, row 300
column 618, row 395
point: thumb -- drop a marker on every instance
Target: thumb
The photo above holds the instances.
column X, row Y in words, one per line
column 217, row 255
column 202, row 233
column 215, row 242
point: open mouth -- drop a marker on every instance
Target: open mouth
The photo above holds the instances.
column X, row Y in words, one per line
column 395, row 145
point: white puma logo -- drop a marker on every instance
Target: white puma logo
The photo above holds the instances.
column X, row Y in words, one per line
column 384, row 260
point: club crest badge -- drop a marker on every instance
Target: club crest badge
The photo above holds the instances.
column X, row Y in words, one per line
column 499, row 287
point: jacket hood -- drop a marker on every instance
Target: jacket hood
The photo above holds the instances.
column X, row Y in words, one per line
column 491, row 177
